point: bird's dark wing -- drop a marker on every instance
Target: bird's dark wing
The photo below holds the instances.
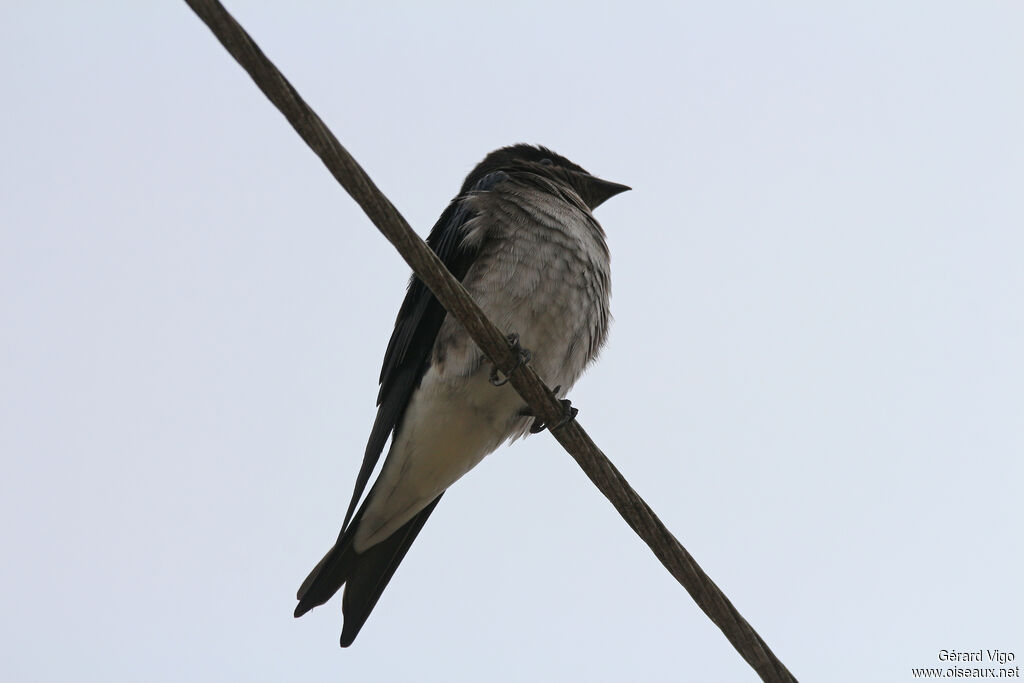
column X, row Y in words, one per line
column 419, row 319
column 368, row 572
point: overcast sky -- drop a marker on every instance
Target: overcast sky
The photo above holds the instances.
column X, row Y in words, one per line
column 815, row 375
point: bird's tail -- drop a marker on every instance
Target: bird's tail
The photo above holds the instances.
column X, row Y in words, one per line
column 364, row 574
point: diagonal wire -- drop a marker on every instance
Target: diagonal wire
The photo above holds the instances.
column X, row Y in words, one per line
column 491, row 341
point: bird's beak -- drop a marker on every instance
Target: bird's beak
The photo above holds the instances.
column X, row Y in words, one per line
column 597, row 191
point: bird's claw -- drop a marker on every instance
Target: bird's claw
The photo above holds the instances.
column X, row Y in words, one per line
column 568, row 415
column 523, row 357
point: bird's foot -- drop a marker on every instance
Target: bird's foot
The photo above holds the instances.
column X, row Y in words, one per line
column 523, row 357
column 568, row 414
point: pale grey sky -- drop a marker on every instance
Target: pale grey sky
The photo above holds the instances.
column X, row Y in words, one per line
column 815, row 373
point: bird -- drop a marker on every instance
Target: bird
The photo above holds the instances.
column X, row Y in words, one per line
column 522, row 239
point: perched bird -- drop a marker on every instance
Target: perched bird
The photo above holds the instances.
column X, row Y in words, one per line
column 521, row 238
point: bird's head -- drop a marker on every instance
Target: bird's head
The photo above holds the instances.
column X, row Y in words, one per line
column 542, row 161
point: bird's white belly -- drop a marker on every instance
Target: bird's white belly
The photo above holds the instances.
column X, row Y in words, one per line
column 450, row 425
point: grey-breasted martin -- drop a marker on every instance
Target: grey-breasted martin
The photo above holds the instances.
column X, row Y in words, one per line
column 521, row 238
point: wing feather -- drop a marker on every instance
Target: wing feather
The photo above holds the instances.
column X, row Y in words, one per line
column 419, row 319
